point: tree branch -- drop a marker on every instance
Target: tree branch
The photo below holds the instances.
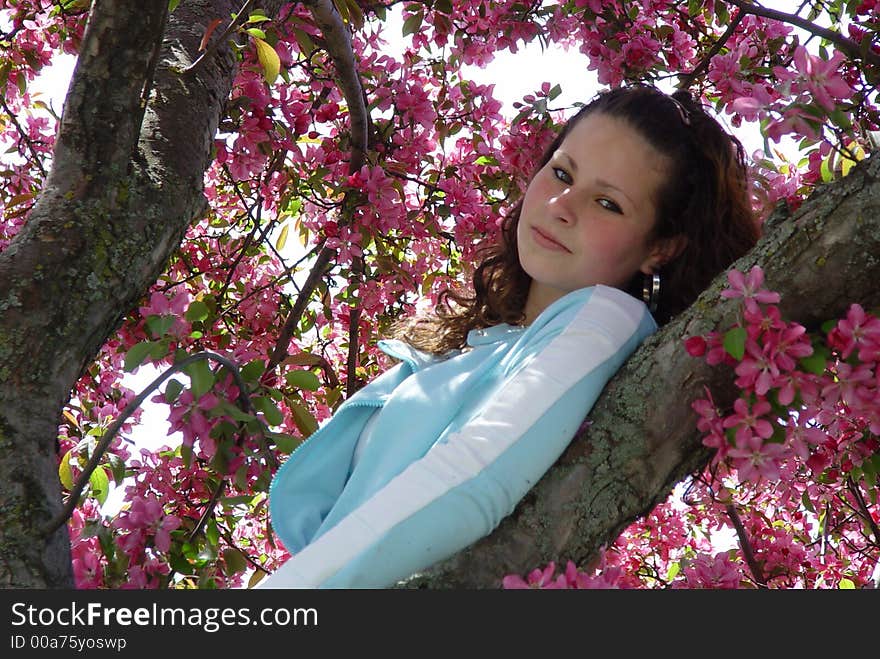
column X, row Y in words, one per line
column 746, row 546
column 845, row 45
column 319, row 268
column 701, row 68
column 338, row 43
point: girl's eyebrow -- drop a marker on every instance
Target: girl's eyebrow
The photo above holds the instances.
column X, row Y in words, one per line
column 605, row 184
column 560, row 154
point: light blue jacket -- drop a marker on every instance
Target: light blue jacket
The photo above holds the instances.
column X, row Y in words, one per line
column 434, row 453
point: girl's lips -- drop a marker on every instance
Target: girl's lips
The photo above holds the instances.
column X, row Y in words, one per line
column 547, row 242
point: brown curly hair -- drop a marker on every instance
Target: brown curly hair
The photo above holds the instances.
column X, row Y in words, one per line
column 705, row 198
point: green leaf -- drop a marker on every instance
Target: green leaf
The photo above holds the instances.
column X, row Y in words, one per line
column 284, row 443
column 303, row 419
column 197, row 311
column 100, row 484
column 172, row 390
column 65, row 473
column 159, row 325
column 815, row 363
column 234, row 560
column 136, row 355
column 256, row 32
column 808, row 504
column 252, row 371
column 267, row 406
column 846, row 584
column 212, row 533
column 735, row 342
column 413, row 24
column 201, row 378
column 443, row 6
column 159, row 349
column 172, row 5
column 229, row 409
column 674, row 569
column 117, row 468
column 825, row 170
column 303, row 380
column 256, row 17
column 306, row 45
column 269, row 60
column 186, row 453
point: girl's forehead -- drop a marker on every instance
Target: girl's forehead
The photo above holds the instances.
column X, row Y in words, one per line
column 611, row 141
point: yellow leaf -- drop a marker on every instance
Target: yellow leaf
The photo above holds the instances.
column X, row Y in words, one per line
column 70, row 419
column 269, row 60
column 64, row 472
column 256, row 578
column 846, row 584
column 282, row 239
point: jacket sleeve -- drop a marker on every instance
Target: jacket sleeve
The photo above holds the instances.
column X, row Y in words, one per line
column 468, row 482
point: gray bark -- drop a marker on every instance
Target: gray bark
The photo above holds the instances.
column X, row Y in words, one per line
column 643, row 438
column 126, row 182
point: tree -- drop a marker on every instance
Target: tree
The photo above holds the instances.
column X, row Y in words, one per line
column 193, row 131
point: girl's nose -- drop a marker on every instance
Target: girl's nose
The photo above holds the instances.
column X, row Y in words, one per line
column 562, row 206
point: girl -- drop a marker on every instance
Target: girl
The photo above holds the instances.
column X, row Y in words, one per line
column 638, row 188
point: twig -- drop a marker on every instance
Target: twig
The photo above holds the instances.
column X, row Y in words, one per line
column 746, row 546
column 688, row 79
column 25, row 137
column 212, row 503
column 279, row 352
column 212, row 48
column 863, row 509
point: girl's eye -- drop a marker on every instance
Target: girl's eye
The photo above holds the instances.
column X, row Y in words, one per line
column 610, row 205
column 562, row 175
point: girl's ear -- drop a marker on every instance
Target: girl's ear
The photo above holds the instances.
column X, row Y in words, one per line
column 664, row 251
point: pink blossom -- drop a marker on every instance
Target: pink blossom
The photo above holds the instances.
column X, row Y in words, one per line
column 748, row 421
column 858, row 331
column 191, row 417
column 794, row 120
column 714, row 572
column 536, row 579
column 753, row 457
column 756, row 369
column 823, row 77
column 750, row 288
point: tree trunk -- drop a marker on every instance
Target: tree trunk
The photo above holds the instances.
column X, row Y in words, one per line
column 126, row 182
column 643, row 437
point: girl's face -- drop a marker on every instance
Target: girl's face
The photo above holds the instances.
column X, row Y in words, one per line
column 587, row 214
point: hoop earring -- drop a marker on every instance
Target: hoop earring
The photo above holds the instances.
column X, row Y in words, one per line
column 651, row 291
